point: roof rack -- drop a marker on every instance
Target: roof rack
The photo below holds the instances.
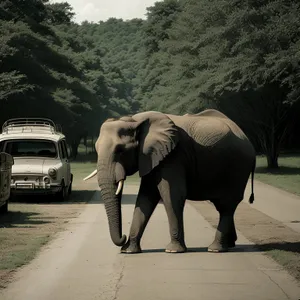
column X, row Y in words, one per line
column 29, row 124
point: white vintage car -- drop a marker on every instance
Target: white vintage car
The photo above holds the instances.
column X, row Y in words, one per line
column 41, row 160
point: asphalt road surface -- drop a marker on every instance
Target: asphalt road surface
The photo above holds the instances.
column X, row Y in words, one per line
column 83, row 264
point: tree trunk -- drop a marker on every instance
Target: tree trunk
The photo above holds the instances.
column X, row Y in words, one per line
column 272, row 160
column 274, row 144
column 74, row 147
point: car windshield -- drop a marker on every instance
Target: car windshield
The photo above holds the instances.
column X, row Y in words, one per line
column 41, row 148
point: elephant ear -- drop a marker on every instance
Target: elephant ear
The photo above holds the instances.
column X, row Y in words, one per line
column 158, row 136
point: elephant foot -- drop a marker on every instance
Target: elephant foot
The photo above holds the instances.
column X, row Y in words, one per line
column 217, row 247
column 131, row 248
column 176, row 247
column 231, row 244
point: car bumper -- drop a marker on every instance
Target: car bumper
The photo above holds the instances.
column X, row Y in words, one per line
column 22, row 188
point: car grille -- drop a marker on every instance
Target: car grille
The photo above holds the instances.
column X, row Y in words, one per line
column 31, row 178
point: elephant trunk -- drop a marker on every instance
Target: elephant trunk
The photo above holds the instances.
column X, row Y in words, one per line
column 112, row 203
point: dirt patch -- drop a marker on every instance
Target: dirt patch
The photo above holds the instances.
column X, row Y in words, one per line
column 277, row 240
column 30, row 224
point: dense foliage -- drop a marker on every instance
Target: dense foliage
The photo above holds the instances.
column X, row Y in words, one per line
column 52, row 67
column 239, row 56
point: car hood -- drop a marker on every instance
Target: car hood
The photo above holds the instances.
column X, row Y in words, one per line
column 33, row 165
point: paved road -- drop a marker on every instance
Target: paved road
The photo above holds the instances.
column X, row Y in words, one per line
column 83, row 264
column 276, row 203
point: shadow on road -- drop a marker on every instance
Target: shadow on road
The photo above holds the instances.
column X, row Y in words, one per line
column 284, row 170
column 28, row 219
column 77, row 197
column 127, row 199
column 290, row 247
column 238, row 248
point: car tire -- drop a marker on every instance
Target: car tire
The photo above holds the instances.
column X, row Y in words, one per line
column 4, row 208
column 62, row 195
column 70, row 186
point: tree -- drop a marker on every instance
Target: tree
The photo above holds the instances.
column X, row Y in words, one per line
column 120, row 45
column 254, row 51
column 59, row 13
column 37, row 71
column 218, row 51
column 160, row 18
column 11, row 82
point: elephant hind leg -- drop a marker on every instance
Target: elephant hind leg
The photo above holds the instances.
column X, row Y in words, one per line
column 232, row 236
column 226, row 236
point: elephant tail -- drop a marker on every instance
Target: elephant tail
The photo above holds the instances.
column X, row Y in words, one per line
column 251, row 199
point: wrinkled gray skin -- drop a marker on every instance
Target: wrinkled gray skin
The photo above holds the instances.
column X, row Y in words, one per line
column 196, row 157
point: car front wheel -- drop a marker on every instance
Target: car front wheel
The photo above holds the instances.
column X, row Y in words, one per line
column 62, row 195
column 70, row 186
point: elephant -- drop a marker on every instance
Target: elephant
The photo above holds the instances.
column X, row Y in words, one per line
column 200, row 157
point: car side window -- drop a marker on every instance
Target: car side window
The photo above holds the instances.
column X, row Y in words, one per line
column 1, row 146
column 64, row 148
column 61, row 150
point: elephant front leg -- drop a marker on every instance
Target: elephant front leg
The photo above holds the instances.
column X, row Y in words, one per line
column 147, row 200
column 174, row 201
column 177, row 243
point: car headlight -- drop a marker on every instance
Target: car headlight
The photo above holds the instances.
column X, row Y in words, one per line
column 46, row 180
column 52, row 172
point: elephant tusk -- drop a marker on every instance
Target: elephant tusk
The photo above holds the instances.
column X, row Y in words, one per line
column 91, row 175
column 120, row 185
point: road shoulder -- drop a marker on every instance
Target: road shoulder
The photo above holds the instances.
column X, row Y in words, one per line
column 277, row 240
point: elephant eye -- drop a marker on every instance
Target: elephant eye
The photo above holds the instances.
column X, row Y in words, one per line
column 119, row 148
column 131, row 131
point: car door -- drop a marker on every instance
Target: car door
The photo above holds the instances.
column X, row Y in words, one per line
column 66, row 162
column 63, row 161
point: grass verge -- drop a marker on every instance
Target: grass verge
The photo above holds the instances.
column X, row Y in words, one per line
column 287, row 177
column 26, row 228
column 32, row 222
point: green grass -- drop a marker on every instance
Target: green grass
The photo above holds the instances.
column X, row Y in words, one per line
column 26, row 228
column 17, row 247
column 287, row 177
column 82, row 169
column 289, row 260
column 23, row 231
column 24, row 252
